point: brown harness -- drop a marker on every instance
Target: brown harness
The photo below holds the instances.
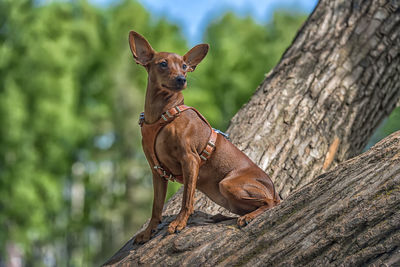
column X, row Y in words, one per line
column 149, row 136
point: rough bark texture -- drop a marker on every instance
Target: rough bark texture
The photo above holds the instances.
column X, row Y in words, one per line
column 336, row 83
column 348, row 216
column 317, row 108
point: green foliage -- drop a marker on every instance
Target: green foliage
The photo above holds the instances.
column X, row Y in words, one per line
column 388, row 126
column 40, row 126
column 74, row 182
column 72, row 171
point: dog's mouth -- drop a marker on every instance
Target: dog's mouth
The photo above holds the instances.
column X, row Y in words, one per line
column 175, row 88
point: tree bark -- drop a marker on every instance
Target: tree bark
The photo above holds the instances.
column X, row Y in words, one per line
column 318, row 107
column 330, row 91
column 348, row 216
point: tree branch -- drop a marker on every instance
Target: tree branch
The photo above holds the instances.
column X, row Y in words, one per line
column 348, row 216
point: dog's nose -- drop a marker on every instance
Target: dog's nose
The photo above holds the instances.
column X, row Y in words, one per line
column 180, row 80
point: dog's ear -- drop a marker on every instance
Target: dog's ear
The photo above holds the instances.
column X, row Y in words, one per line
column 142, row 51
column 195, row 56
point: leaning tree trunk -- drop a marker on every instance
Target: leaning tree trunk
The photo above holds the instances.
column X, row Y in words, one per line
column 315, row 109
column 348, row 216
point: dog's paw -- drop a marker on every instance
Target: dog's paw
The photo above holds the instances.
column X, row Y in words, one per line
column 143, row 237
column 176, row 226
column 244, row 220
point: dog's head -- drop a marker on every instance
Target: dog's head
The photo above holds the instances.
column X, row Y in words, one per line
column 166, row 70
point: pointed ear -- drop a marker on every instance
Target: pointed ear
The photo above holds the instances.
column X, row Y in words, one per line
column 142, row 51
column 195, row 55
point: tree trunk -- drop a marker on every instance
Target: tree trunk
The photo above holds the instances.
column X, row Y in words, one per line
column 347, row 216
column 315, row 109
column 332, row 88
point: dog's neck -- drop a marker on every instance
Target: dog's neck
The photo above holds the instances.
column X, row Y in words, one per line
column 158, row 100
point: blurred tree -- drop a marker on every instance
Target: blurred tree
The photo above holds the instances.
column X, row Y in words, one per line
column 75, row 183
column 41, row 127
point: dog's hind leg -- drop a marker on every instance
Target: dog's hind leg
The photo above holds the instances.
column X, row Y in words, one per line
column 248, row 195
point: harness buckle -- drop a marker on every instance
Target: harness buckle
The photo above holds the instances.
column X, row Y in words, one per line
column 164, row 174
column 222, row 133
column 141, row 119
column 211, row 144
column 169, row 114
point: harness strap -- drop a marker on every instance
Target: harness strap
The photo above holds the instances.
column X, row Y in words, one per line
column 209, row 149
column 150, row 133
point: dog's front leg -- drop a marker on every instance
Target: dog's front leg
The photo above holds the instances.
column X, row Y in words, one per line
column 160, row 189
column 190, row 171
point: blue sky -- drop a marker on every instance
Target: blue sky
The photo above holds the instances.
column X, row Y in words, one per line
column 193, row 16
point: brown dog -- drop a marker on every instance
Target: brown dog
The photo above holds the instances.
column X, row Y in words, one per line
column 178, row 140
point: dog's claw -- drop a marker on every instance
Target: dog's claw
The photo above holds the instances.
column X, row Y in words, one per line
column 176, row 226
column 244, row 221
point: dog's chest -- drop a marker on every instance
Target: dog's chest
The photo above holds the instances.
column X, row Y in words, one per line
column 169, row 149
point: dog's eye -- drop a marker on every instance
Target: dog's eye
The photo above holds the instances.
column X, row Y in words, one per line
column 164, row 64
column 184, row 66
